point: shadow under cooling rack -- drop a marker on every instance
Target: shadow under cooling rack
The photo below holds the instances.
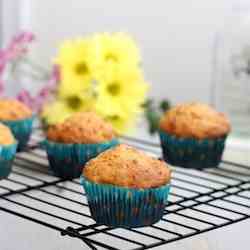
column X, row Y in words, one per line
column 199, row 201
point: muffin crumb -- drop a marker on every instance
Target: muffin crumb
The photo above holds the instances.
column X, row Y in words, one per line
column 11, row 110
column 82, row 128
column 6, row 137
column 195, row 120
column 127, row 167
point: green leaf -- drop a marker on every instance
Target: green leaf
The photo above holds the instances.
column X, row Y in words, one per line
column 153, row 121
column 164, row 105
column 154, row 112
column 148, row 104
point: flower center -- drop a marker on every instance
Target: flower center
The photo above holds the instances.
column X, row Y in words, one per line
column 114, row 89
column 81, row 68
column 111, row 57
column 74, row 102
column 113, row 118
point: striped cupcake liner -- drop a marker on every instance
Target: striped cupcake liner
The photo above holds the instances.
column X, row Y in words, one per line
column 7, row 155
column 22, row 130
column 192, row 153
column 125, row 207
column 67, row 160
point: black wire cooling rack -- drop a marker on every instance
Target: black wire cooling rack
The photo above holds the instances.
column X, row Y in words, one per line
column 199, row 201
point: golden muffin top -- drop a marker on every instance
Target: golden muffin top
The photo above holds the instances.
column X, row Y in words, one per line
column 11, row 110
column 6, row 137
column 195, row 120
column 82, row 128
column 126, row 166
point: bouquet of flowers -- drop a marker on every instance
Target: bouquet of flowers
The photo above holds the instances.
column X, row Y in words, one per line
column 100, row 73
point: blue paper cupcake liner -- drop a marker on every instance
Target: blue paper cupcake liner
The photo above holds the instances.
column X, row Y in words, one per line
column 67, row 160
column 192, row 153
column 7, row 155
column 125, row 207
column 22, row 130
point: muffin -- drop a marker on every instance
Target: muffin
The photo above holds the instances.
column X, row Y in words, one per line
column 126, row 188
column 8, row 147
column 193, row 135
column 18, row 117
column 79, row 138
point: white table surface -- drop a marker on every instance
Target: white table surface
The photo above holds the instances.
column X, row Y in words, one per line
column 17, row 233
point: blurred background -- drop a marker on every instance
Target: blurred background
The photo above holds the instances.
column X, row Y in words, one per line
column 178, row 39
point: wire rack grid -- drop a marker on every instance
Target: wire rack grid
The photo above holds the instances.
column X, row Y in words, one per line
column 199, row 201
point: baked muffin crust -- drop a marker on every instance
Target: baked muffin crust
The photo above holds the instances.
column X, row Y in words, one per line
column 195, row 120
column 6, row 137
column 127, row 167
column 11, row 110
column 82, row 128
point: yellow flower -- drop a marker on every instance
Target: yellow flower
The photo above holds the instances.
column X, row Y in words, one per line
column 81, row 102
column 102, row 74
column 117, row 48
column 118, row 122
column 78, row 59
column 120, row 95
column 55, row 112
column 121, row 90
column 62, row 108
column 122, row 124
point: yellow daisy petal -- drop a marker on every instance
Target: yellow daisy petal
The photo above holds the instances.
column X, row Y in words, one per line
column 55, row 112
column 77, row 60
column 124, row 89
column 118, row 48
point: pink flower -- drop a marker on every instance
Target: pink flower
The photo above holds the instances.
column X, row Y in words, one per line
column 23, row 37
column 16, row 48
column 3, row 61
column 25, row 97
column 36, row 103
column 48, row 89
column 55, row 77
column 2, row 66
column 18, row 45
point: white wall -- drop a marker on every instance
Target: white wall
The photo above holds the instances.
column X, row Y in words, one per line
column 176, row 37
column 9, row 20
